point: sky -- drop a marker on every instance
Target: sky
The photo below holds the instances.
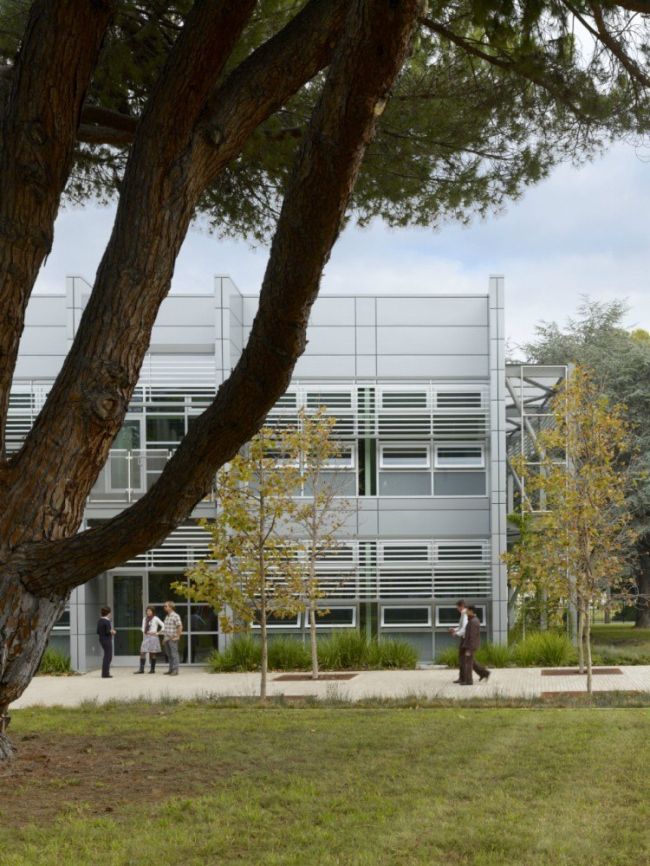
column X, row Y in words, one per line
column 583, row 231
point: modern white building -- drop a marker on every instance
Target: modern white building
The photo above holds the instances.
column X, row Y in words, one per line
column 418, row 386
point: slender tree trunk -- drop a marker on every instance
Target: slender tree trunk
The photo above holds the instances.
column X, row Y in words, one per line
column 265, row 647
column 312, row 637
column 642, row 580
column 590, row 679
column 25, row 624
column 581, row 646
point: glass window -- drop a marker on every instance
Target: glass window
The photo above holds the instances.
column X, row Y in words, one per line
column 406, row 616
column 63, row 622
column 276, row 621
column 404, row 456
column 449, row 616
column 165, row 429
column 203, row 618
column 405, row 484
column 124, row 467
column 339, row 617
column 160, row 589
column 459, row 456
column 459, row 484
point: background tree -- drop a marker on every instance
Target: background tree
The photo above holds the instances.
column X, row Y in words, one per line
column 581, row 540
column 239, row 109
column 320, row 519
column 250, row 573
column 620, row 359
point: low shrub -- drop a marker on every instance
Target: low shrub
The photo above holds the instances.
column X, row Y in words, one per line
column 344, row 650
column 341, row 650
column 448, row 656
column 544, row 649
column 244, row 653
column 288, row 654
column 392, row 653
column 494, row 655
column 55, row 664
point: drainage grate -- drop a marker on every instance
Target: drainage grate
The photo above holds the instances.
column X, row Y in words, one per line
column 572, row 672
column 295, row 678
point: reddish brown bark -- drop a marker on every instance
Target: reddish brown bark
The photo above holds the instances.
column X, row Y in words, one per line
column 38, row 135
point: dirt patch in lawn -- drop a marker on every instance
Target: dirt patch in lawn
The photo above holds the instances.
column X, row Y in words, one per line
column 54, row 775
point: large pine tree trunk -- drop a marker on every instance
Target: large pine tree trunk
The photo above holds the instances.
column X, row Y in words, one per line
column 642, row 579
column 25, row 624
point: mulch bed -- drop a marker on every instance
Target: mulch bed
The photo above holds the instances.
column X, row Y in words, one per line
column 296, row 678
column 571, row 672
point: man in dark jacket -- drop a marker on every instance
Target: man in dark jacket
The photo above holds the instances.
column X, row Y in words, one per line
column 470, row 643
column 106, row 631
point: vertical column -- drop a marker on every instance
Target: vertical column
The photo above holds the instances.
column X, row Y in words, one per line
column 498, row 491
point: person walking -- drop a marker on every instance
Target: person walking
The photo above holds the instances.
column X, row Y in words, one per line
column 106, row 631
column 151, row 628
column 459, row 632
column 470, row 643
column 173, row 628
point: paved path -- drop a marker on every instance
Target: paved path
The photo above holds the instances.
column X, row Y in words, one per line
column 193, row 683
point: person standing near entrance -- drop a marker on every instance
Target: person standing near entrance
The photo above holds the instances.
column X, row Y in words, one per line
column 151, row 628
column 106, row 631
column 470, row 643
column 173, row 628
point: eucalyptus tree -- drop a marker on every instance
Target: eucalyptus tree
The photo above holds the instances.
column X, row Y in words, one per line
column 256, row 115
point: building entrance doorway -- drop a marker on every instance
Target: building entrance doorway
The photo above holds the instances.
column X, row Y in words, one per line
column 128, row 598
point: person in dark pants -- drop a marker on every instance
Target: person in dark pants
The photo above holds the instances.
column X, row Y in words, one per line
column 106, row 631
column 470, row 643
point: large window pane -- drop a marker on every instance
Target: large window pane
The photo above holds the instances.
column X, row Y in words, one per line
column 165, row 429
column 459, row 456
column 404, row 484
column 406, row 616
column 160, row 589
column 459, row 484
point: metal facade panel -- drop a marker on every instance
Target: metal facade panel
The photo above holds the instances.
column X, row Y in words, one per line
column 417, row 340
column 330, row 341
column 441, row 311
column 332, row 311
column 46, row 311
column 178, row 311
column 433, row 366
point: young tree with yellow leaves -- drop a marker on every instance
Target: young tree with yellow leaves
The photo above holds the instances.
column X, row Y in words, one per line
column 253, row 562
column 581, row 536
column 320, row 516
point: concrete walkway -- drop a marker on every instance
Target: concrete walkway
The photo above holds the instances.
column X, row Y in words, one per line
column 195, row 683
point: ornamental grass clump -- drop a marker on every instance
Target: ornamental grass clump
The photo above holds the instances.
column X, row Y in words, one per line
column 544, row 649
column 55, row 664
column 494, row 655
column 244, row 653
column 288, row 653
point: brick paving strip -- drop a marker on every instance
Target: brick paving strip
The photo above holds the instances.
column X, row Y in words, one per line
column 193, row 683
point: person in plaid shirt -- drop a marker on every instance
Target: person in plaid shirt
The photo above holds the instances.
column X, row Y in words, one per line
column 173, row 629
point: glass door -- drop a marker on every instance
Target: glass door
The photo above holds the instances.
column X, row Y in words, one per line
column 127, row 613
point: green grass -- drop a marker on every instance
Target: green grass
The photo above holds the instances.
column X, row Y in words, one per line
column 329, row 786
column 55, row 664
column 620, row 634
column 342, row 650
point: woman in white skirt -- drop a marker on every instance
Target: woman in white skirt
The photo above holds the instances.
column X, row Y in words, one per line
column 151, row 628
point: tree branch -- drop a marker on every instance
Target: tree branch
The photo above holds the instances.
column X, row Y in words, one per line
column 366, row 63
column 60, row 46
column 88, row 401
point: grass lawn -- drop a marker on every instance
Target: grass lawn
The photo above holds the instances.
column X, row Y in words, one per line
column 187, row 784
column 620, row 634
